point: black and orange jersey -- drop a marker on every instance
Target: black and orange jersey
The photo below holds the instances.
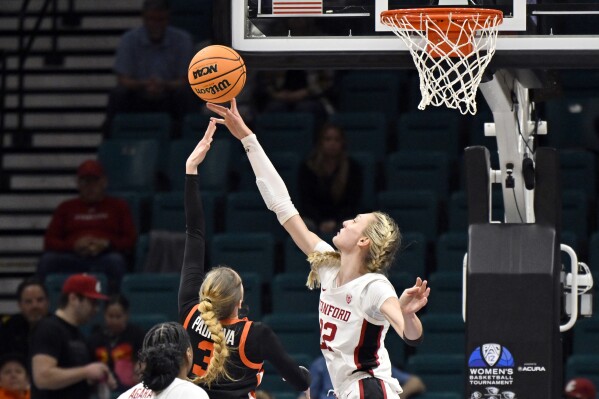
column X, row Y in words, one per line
column 251, row 343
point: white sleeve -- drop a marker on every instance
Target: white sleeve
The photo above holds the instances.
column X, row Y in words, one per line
column 373, row 297
column 271, row 186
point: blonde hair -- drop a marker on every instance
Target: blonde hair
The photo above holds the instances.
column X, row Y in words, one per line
column 219, row 294
column 385, row 239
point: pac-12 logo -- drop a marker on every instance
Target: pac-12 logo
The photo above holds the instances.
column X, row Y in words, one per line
column 491, row 355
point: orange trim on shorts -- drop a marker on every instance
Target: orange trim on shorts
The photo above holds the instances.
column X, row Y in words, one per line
column 191, row 312
column 242, row 355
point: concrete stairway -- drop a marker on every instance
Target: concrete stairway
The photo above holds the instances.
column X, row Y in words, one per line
column 63, row 110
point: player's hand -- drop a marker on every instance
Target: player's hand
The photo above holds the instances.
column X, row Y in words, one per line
column 82, row 246
column 415, row 298
column 231, row 119
column 198, row 155
column 96, row 372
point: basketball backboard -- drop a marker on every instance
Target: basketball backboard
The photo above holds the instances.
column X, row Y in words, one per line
column 349, row 34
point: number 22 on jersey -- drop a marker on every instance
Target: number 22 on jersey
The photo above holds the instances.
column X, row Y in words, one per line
column 327, row 334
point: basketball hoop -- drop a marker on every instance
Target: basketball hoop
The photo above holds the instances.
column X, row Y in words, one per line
column 451, row 48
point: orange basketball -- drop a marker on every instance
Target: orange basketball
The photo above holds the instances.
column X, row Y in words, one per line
column 216, row 74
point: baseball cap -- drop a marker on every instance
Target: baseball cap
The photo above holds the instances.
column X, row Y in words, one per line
column 580, row 388
column 83, row 284
column 91, row 167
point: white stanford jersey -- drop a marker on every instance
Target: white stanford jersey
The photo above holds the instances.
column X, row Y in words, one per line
column 178, row 389
column 352, row 329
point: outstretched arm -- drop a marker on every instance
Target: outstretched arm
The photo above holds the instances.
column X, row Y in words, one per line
column 193, row 271
column 401, row 313
column 271, row 186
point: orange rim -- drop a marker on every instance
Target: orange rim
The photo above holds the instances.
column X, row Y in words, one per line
column 443, row 18
column 446, row 14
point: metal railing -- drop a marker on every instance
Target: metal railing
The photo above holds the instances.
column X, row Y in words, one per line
column 25, row 42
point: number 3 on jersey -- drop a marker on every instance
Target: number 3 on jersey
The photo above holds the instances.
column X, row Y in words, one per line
column 200, row 368
column 327, row 333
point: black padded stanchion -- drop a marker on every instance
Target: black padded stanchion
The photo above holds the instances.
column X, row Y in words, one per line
column 513, row 344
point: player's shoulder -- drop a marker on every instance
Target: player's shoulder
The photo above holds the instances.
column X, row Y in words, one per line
column 187, row 388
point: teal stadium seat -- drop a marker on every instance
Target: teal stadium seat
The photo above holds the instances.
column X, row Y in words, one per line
column 411, row 258
column 141, row 252
column 285, row 131
column 299, row 333
column 414, row 211
column 245, row 252
column 396, row 347
column 213, row 172
column 359, row 88
column 571, row 121
column 445, row 333
column 290, row 294
column 458, row 210
column 295, row 261
column 147, row 320
column 575, row 213
column 578, row 169
column 364, row 132
column 586, row 336
column 168, row 213
column 450, row 251
column 130, row 164
column 150, row 125
column 152, row 293
column 418, row 170
column 139, row 204
column 447, row 293
column 585, row 366
column 368, row 164
column 439, row 372
column 194, row 126
column 247, row 213
column 429, row 131
column 252, row 294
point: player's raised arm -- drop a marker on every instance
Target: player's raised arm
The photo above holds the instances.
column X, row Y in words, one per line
column 192, row 272
column 401, row 313
column 271, row 185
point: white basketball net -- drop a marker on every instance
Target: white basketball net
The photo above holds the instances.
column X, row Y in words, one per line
column 449, row 72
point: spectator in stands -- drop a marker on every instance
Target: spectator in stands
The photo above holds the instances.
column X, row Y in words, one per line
column 298, row 91
column 580, row 388
column 32, row 299
column 166, row 360
column 61, row 364
column 151, row 66
column 14, row 379
column 118, row 342
column 330, row 183
column 91, row 233
column 321, row 381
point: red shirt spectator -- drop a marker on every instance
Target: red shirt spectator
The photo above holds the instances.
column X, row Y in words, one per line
column 91, row 233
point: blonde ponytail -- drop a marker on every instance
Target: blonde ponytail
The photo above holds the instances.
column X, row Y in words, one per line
column 219, row 294
column 316, row 260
